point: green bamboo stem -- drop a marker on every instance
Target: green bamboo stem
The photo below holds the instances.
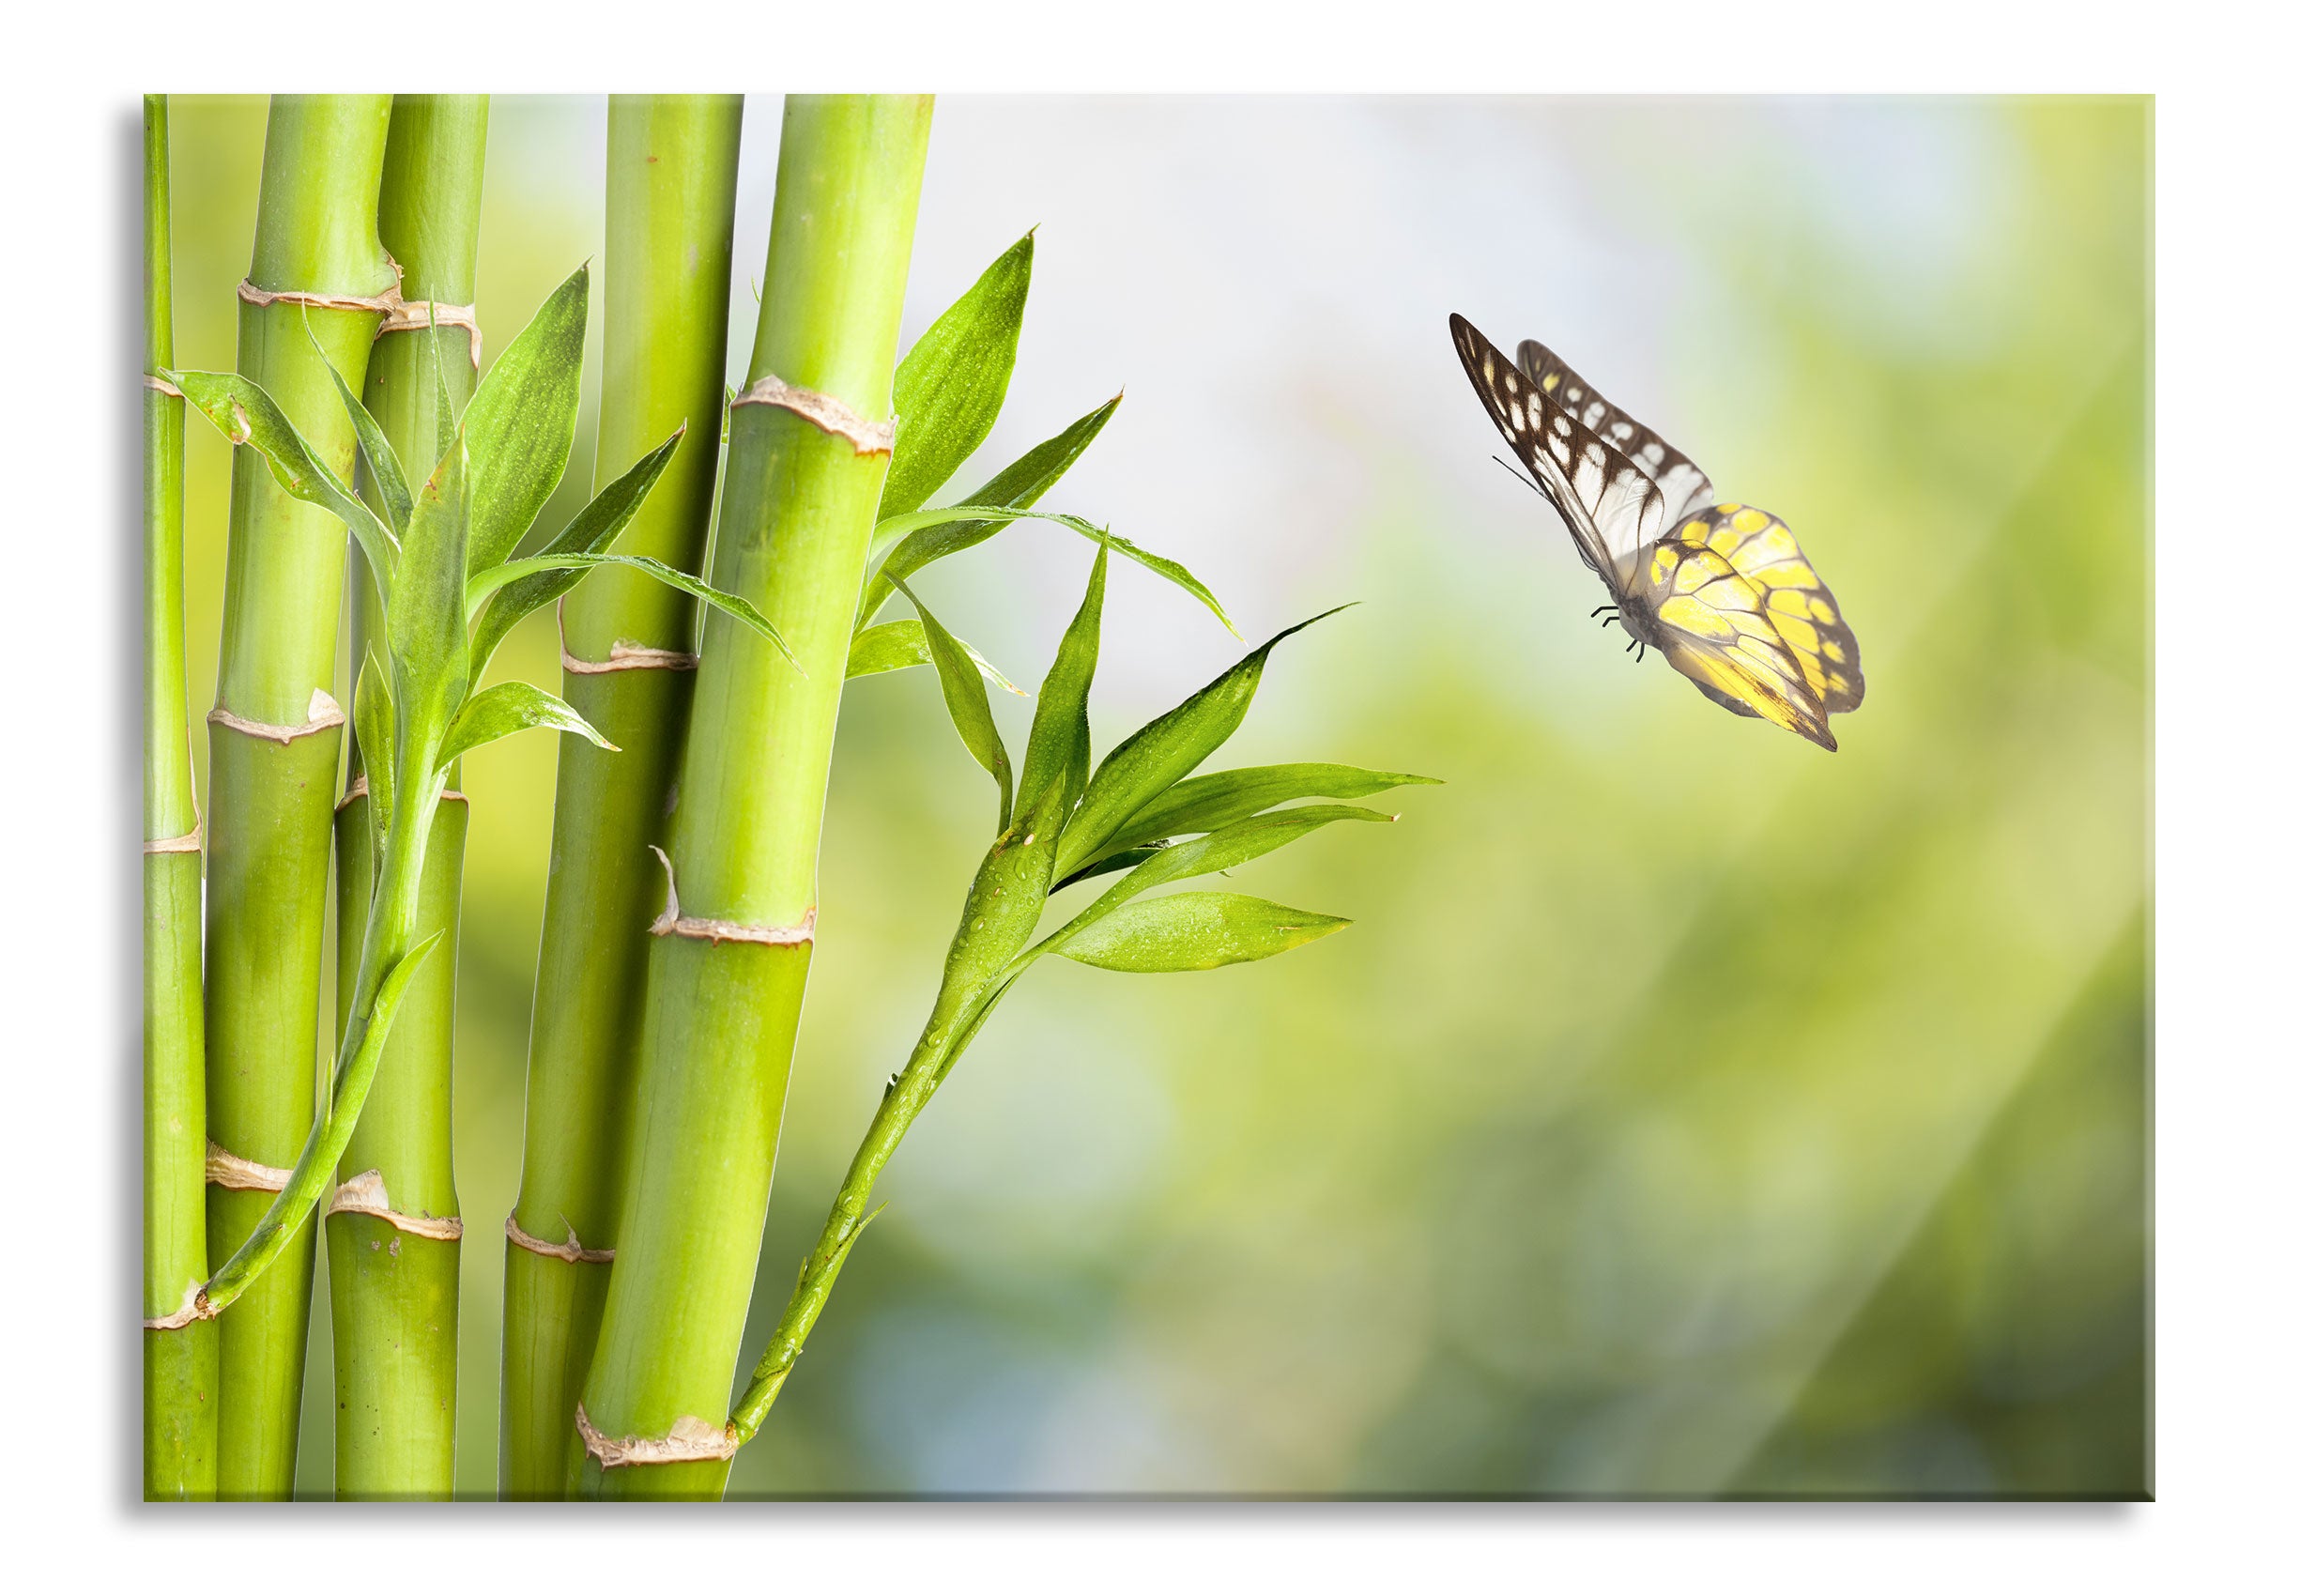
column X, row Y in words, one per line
column 393, row 1288
column 180, row 1351
column 671, row 194
column 270, row 789
column 722, row 1000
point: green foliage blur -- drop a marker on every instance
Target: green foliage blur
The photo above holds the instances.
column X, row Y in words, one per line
column 1688, row 1112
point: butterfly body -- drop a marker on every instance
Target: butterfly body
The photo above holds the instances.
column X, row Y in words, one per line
column 1722, row 591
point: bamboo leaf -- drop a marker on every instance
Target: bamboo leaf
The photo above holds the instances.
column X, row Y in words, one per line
column 1163, row 753
column 596, row 526
column 513, row 571
column 949, row 388
column 383, row 468
column 970, row 706
column 244, row 413
column 1208, row 803
column 443, row 404
column 897, row 645
column 1125, row 859
column 521, row 423
column 1020, row 485
column 508, row 707
column 1173, row 571
column 1223, row 849
column 371, row 720
column 1009, row 890
column 1195, row 930
column 430, row 645
column 1060, row 752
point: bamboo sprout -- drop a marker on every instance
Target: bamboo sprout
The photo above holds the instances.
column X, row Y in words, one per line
column 179, row 1350
column 274, row 741
column 1132, row 815
column 392, row 1282
column 807, row 457
column 671, row 194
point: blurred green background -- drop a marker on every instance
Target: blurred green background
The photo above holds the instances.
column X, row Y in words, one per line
column 1689, row 1111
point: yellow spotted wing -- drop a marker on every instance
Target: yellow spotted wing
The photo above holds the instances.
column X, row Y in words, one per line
column 1798, row 603
column 1710, row 624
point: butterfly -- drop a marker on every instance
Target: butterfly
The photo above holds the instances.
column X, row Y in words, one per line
column 1722, row 590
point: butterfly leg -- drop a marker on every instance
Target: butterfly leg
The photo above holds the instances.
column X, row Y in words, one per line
column 1603, row 608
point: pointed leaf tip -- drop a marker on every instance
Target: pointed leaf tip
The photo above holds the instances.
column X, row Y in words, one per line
column 522, row 421
column 509, row 707
column 1195, row 930
column 1159, row 754
column 951, row 385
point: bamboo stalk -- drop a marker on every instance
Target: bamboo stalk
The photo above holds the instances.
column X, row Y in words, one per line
column 671, row 192
column 393, row 1290
column 271, row 788
column 179, row 1359
column 804, row 474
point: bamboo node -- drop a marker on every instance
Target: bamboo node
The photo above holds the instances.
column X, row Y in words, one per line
column 196, row 1307
column 399, row 315
column 235, row 1173
column 262, row 298
column 571, row 1251
column 624, row 656
column 364, row 1193
column 188, row 843
column 162, row 385
column 422, row 315
column 322, row 713
column 672, row 923
column 832, row 415
column 691, row 1440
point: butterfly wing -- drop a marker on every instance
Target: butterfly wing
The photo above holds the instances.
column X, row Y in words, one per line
column 1797, row 603
column 1684, row 487
column 1713, row 629
column 1734, row 604
column 1611, row 507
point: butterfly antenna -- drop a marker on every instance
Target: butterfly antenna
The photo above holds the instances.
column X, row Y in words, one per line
column 1518, row 474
